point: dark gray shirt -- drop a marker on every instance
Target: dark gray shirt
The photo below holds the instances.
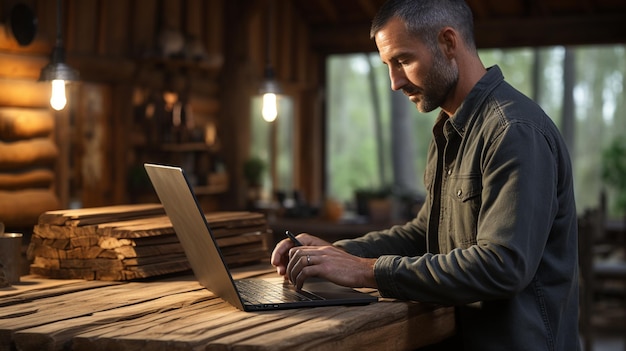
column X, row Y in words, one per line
column 497, row 236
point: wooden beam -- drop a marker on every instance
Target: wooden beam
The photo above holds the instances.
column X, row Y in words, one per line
column 342, row 39
column 368, row 7
column 551, row 31
column 509, row 32
column 330, row 10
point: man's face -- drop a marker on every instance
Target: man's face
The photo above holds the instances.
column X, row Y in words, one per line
column 426, row 78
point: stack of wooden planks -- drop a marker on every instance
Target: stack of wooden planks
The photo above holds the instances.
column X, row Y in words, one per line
column 134, row 241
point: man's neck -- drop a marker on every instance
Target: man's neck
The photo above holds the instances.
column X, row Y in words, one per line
column 471, row 70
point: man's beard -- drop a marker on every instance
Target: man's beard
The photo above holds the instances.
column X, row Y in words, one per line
column 438, row 83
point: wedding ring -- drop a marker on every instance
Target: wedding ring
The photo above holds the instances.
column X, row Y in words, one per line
column 308, row 260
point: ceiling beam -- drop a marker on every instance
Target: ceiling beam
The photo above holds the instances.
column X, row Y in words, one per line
column 329, row 9
column 583, row 30
column 368, row 7
column 598, row 29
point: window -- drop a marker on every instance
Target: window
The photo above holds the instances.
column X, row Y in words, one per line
column 272, row 142
column 598, row 113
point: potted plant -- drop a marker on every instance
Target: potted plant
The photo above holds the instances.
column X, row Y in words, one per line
column 614, row 172
column 253, row 170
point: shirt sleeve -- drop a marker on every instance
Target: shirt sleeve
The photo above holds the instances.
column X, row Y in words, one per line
column 404, row 240
column 517, row 208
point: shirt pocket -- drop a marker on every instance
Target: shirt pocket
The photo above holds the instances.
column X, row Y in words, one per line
column 464, row 202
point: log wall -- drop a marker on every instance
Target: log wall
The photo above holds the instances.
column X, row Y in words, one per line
column 119, row 50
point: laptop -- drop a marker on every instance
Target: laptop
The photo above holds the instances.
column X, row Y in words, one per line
column 208, row 264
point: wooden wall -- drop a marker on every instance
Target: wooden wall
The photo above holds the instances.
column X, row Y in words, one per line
column 115, row 45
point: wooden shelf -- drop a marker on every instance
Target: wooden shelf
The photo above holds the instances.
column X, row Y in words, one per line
column 217, row 184
column 210, row 189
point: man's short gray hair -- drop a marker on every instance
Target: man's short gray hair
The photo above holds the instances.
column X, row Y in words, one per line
column 425, row 18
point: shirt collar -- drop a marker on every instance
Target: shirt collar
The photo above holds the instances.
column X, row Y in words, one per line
column 475, row 99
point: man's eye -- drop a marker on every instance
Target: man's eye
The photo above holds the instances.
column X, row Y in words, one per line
column 399, row 63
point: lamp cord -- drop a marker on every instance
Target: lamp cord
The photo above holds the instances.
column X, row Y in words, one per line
column 59, row 41
column 269, row 70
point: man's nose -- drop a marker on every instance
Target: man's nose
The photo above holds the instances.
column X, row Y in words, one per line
column 398, row 78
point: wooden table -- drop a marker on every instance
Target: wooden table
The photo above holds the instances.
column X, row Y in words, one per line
column 176, row 313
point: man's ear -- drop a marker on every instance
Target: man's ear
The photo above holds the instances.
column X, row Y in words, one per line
column 448, row 41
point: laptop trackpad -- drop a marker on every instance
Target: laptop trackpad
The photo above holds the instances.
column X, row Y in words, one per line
column 328, row 290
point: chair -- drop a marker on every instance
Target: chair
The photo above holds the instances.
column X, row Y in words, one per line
column 602, row 278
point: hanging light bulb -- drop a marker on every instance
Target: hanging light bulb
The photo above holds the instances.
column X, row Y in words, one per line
column 57, row 71
column 57, row 97
column 269, row 109
column 269, row 87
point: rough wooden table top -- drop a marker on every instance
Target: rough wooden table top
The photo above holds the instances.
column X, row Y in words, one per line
column 176, row 313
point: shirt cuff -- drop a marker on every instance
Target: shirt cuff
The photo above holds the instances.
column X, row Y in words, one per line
column 383, row 273
column 350, row 247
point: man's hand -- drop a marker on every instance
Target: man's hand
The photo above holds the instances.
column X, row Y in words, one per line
column 318, row 258
column 280, row 255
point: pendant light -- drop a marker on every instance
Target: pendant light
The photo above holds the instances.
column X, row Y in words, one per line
column 269, row 87
column 57, row 71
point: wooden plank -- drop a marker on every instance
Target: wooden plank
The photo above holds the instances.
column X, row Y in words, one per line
column 103, row 214
column 48, row 231
column 139, row 262
column 35, row 287
column 177, row 329
column 136, row 228
column 112, row 243
column 177, row 314
column 237, row 260
column 110, row 215
column 93, row 299
column 147, row 251
column 145, row 271
column 62, row 332
column 84, row 245
column 244, row 238
column 389, row 330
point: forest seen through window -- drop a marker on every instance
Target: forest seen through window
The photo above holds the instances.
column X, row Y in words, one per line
column 359, row 140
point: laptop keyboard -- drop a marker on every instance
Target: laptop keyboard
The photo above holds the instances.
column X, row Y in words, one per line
column 259, row 291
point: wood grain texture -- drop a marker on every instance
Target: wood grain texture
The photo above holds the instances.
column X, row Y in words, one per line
column 176, row 313
column 128, row 242
column 20, row 208
column 26, row 179
column 27, row 153
column 22, row 123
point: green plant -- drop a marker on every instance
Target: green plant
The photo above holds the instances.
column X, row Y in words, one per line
column 614, row 171
column 253, row 170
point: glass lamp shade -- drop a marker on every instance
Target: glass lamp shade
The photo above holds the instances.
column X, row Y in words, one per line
column 58, row 71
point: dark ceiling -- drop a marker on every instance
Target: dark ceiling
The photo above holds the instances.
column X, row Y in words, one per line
column 342, row 26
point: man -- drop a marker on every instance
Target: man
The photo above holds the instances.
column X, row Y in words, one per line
column 497, row 236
